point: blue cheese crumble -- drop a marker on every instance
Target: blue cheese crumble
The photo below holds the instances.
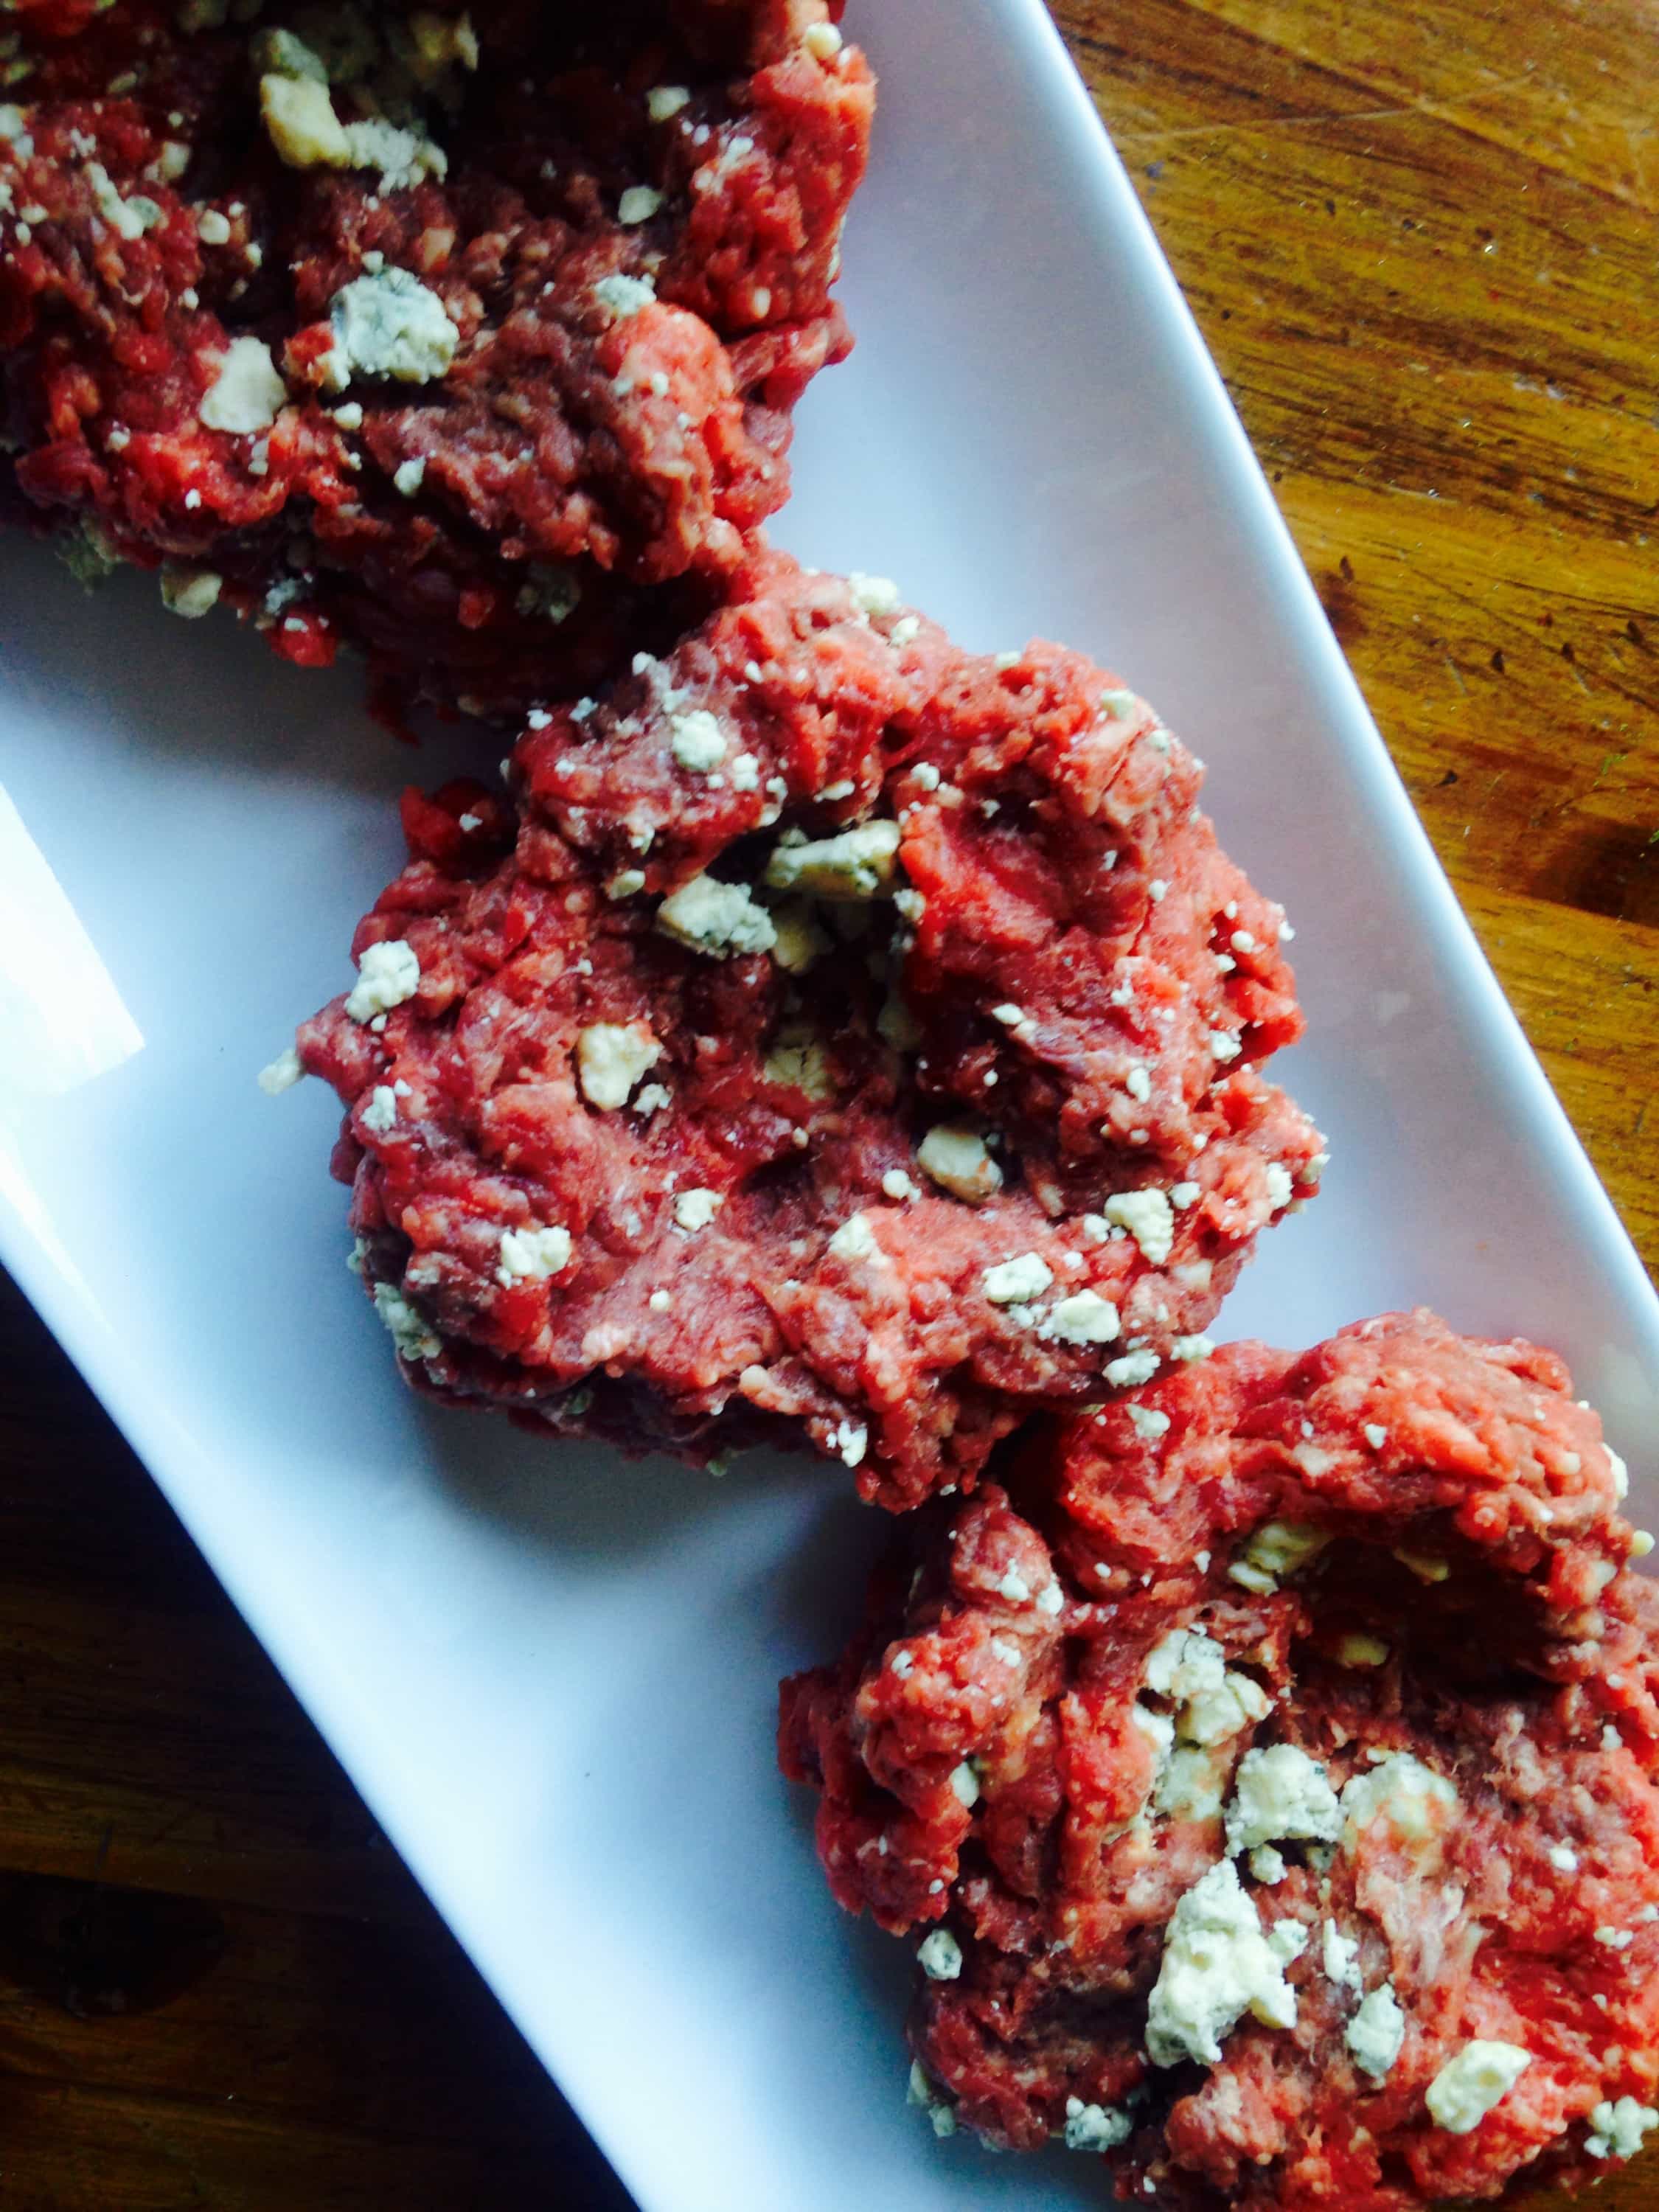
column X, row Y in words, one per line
column 716, row 919
column 1094, row 2127
column 940, row 1956
column 1218, row 1964
column 1377, row 2031
column 532, row 1255
column 389, row 323
column 388, row 974
column 1017, row 1281
column 1470, row 2084
column 246, row 393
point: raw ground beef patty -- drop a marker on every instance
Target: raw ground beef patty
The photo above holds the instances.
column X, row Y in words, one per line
column 1273, row 1787
column 849, row 1035
column 471, row 340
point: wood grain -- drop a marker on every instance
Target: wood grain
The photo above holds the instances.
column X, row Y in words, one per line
column 220, row 1991
column 1419, row 238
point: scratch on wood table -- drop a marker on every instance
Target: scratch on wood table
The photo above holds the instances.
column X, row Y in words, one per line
column 1419, row 237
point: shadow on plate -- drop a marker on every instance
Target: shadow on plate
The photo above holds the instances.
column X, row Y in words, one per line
column 590, row 1498
column 209, row 688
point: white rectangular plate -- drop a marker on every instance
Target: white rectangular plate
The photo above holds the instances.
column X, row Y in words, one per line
column 552, row 1675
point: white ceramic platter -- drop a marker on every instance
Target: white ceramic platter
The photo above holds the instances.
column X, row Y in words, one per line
column 552, row 1675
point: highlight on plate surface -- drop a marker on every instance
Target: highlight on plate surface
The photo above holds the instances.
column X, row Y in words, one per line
column 812, row 1033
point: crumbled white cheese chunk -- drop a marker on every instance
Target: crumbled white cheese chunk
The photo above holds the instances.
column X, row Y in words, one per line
column 1280, row 1188
column 1268, row 1864
column 717, row 919
column 856, row 1240
column 611, row 1058
column 638, row 203
column 625, row 295
column 246, row 393
column 301, row 123
column 1148, row 1422
column 821, row 40
column 1470, row 2085
column 1617, row 2130
column 530, row 1256
column 1084, row 1318
column 696, row 1209
column 1217, row 1966
column 1214, row 1715
column 283, row 1073
column 1276, row 1549
column 1416, row 1802
column 190, row 592
column 1017, row 1281
column 1377, row 2031
column 1133, row 1368
column 1375, row 1435
column 1425, row 1566
column 956, row 1160
column 1148, row 1218
column 1094, row 2127
column 653, row 1099
column 1562, row 1858
column 388, row 974
column 664, row 101
column 858, row 864
column 1338, row 1956
column 798, row 1058
column 1158, row 1729
column 873, row 595
column 381, row 1111
column 697, row 740
column 1621, row 1478
column 1279, row 1794
column 1183, row 1662
column 851, row 1439
column 965, row 1782
column 410, row 1332
column 940, row 1956
column 1189, row 1787
column 130, row 218
column 1216, row 1701
column 389, row 323
column 920, row 2091
column 408, row 476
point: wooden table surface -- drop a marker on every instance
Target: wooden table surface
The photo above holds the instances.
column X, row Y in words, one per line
column 1419, row 237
